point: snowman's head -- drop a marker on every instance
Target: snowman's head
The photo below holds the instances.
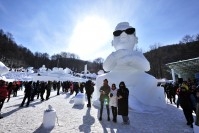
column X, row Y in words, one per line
column 124, row 36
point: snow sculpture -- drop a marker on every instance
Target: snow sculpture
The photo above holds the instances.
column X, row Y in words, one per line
column 43, row 68
column 128, row 65
column 3, row 69
column 30, row 70
column 49, row 117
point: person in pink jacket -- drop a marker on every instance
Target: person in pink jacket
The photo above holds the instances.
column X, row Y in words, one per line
column 3, row 94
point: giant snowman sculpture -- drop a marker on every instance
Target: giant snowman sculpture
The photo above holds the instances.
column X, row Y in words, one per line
column 126, row 64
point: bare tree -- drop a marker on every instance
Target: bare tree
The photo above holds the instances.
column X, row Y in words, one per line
column 98, row 64
column 99, row 60
column 197, row 37
column 155, row 46
column 10, row 37
column 55, row 57
column 45, row 56
column 186, row 39
column 64, row 54
column 138, row 49
column 156, row 67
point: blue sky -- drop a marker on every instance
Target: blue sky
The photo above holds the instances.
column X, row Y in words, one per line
column 85, row 27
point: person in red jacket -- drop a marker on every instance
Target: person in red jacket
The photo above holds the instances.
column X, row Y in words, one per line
column 3, row 94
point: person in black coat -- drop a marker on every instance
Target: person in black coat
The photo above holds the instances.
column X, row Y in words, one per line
column 123, row 94
column 81, row 88
column 34, row 92
column 28, row 92
column 185, row 103
column 58, row 87
column 89, row 91
column 76, row 87
column 197, row 107
column 38, row 88
column 48, row 90
column 42, row 90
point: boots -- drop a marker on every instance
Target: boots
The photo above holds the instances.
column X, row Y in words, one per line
column 1, row 116
column 108, row 118
column 115, row 119
column 100, row 118
column 114, row 112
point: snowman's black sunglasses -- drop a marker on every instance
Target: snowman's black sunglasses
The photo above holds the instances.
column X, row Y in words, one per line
column 128, row 31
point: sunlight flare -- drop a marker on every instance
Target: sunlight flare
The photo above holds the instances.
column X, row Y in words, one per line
column 89, row 35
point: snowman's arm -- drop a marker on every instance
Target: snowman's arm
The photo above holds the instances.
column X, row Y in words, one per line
column 141, row 62
column 110, row 62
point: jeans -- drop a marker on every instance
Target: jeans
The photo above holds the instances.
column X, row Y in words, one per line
column 101, row 109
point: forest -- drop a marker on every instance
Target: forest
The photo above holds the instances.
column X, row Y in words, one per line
column 17, row 56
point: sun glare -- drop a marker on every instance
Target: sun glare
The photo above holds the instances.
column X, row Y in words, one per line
column 89, row 36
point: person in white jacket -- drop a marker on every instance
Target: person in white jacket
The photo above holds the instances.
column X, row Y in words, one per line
column 113, row 102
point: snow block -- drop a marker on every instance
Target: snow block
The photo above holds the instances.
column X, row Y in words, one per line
column 79, row 99
column 49, row 118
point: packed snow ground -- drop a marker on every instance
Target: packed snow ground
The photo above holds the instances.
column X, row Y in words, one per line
column 78, row 118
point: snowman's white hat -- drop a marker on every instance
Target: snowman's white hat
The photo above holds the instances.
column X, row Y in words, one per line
column 123, row 26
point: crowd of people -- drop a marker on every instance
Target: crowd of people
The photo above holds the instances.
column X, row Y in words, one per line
column 113, row 98
column 187, row 94
column 36, row 89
